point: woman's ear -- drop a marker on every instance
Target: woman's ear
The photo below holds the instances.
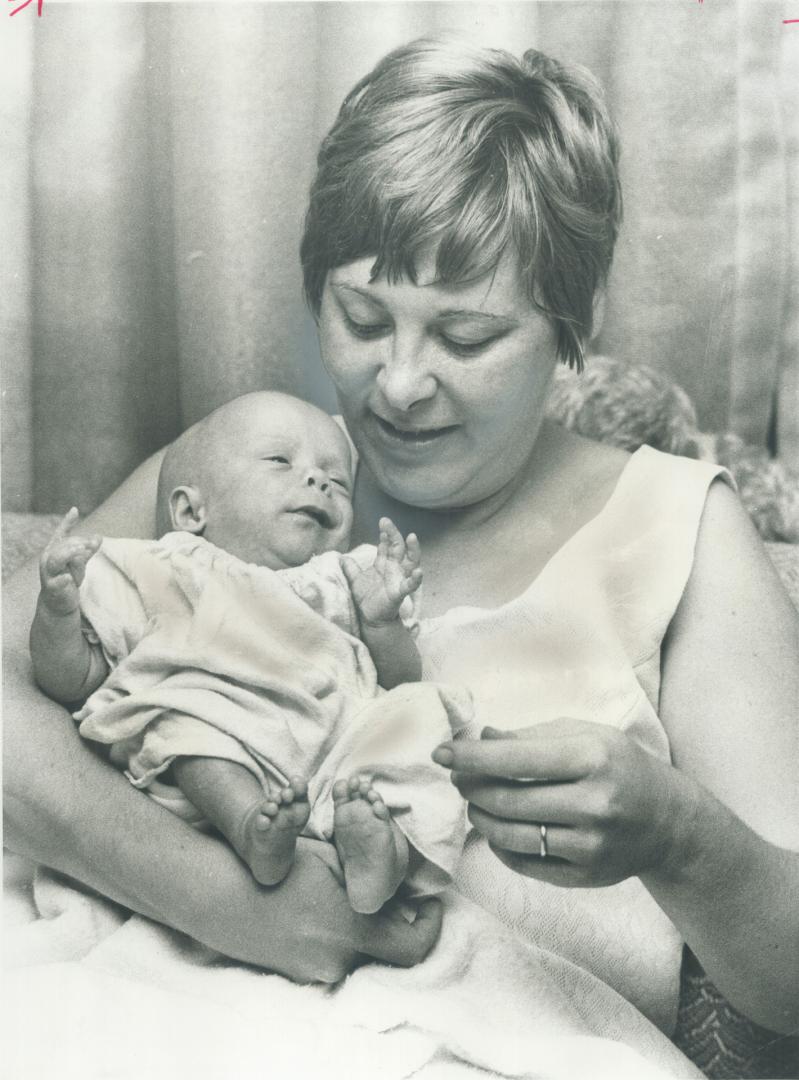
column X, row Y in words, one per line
column 187, row 509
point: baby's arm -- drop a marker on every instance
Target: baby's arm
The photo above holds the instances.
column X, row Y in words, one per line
column 378, row 593
column 66, row 666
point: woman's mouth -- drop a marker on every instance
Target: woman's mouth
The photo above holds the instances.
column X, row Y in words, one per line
column 410, row 435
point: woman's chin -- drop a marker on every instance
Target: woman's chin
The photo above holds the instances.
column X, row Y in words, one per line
column 423, row 487
column 425, row 475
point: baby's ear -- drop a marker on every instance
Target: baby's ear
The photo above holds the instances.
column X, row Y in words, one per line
column 187, row 509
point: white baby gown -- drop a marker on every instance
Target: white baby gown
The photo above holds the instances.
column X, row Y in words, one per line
column 214, row 657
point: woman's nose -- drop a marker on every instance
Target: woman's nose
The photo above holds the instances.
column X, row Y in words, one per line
column 404, row 379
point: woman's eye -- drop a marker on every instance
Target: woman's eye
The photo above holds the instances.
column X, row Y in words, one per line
column 365, row 330
column 466, row 348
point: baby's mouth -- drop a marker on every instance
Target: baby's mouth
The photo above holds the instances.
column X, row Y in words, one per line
column 316, row 513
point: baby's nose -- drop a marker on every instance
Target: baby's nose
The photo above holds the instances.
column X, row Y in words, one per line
column 318, row 479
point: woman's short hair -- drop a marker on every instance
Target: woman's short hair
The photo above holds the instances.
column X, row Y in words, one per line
column 475, row 152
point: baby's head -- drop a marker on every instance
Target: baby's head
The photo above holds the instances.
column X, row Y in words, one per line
column 267, row 477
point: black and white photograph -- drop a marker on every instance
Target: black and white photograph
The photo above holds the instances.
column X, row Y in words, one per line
column 400, row 539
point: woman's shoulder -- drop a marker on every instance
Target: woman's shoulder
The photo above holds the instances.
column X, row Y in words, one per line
column 595, row 466
column 130, row 510
column 589, row 473
column 609, row 498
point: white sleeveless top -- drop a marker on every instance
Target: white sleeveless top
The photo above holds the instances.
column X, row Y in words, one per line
column 583, row 641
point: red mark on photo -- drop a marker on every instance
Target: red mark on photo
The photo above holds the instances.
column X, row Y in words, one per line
column 39, row 6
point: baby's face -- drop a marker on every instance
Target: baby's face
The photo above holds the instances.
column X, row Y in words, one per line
column 281, row 486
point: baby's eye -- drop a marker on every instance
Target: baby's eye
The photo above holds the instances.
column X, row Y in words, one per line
column 278, row 458
column 366, row 330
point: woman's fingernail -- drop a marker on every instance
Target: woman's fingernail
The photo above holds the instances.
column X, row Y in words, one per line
column 442, row 755
column 490, row 733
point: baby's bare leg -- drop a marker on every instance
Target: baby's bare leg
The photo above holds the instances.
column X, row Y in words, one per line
column 263, row 829
column 372, row 848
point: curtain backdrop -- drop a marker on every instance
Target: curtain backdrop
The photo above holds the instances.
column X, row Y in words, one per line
column 155, row 161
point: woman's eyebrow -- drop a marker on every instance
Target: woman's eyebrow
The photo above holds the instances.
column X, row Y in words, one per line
column 440, row 316
column 475, row 313
column 339, row 286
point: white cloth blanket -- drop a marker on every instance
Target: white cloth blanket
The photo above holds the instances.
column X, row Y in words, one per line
column 91, row 992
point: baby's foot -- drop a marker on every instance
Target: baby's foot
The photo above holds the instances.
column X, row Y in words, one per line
column 269, row 833
column 372, row 849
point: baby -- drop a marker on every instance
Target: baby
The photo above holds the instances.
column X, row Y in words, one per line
column 271, row 679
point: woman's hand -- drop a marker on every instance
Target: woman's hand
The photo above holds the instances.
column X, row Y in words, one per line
column 304, row 927
column 609, row 807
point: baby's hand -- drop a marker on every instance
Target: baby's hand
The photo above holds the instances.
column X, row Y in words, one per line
column 62, row 566
column 379, row 591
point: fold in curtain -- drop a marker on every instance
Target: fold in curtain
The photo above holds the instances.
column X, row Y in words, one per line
column 156, row 158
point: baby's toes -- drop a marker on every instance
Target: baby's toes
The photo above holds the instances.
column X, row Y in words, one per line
column 265, row 815
column 341, row 791
column 378, row 806
column 299, row 787
column 360, row 787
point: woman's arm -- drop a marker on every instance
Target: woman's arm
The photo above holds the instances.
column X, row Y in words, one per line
column 730, row 705
column 67, row 808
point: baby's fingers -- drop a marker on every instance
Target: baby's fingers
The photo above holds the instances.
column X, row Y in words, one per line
column 59, row 552
column 65, row 524
column 395, row 544
column 413, row 553
column 69, row 555
column 351, row 569
column 410, row 583
column 60, row 585
column 77, row 566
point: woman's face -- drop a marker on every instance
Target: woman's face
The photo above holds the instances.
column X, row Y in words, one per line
column 443, row 388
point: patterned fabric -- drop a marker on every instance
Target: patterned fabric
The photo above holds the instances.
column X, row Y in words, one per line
column 722, row 1042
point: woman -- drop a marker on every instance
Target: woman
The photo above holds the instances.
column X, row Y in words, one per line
column 459, row 235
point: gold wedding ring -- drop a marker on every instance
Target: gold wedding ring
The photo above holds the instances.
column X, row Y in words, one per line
column 542, row 850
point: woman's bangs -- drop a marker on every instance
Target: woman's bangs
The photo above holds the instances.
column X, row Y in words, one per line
column 466, row 224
